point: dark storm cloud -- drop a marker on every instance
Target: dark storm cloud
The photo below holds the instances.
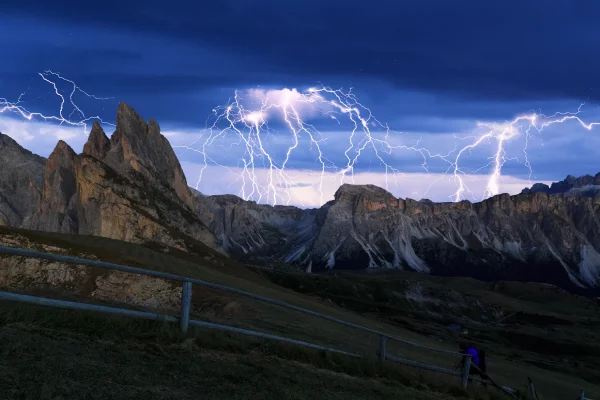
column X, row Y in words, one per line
column 429, row 68
column 479, row 49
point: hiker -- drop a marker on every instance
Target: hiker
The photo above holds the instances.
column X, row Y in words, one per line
column 471, row 350
column 478, row 360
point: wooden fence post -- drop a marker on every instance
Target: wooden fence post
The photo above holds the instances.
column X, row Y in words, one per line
column 382, row 348
column 532, row 389
column 466, row 369
column 186, row 301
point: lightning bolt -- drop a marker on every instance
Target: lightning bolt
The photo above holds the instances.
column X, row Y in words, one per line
column 76, row 116
column 249, row 127
column 526, row 124
column 245, row 123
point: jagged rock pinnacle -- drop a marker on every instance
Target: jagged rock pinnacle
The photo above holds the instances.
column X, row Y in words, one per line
column 97, row 144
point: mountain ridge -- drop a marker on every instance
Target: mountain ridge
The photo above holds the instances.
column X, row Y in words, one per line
column 131, row 187
column 118, row 189
column 586, row 185
column 515, row 237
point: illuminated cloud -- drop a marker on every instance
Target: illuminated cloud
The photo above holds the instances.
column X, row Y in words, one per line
column 306, row 103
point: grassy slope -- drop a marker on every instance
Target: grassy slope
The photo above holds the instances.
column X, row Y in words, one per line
column 50, row 354
column 209, row 305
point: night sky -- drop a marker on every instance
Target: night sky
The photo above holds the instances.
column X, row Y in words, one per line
column 429, row 69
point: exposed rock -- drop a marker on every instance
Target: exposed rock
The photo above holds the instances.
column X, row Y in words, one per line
column 57, row 211
column 21, row 181
column 129, row 188
column 34, row 274
column 537, row 187
column 528, row 237
column 245, row 228
column 137, row 148
column 102, row 203
column 140, row 290
column 98, row 144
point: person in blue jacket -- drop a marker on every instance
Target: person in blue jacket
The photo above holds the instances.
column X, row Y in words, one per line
column 478, row 359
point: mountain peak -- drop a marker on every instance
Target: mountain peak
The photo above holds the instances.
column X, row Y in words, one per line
column 7, row 141
column 139, row 147
column 346, row 191
column 21, row 179
column 98, row 143
column 365, row 197
column 62, row 148
column 125, row 109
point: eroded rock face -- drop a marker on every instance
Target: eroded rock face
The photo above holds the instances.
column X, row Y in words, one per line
column 553, row 238
column 21, row 182
column 137, row 148
column 29, row 274
column 130, row 188
column 84, row 195
column 244, row 228
column 98, row 144
column 57, row 211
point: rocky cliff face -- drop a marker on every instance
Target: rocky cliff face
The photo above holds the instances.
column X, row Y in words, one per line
column 21, row 182
column 138, row 150
column 130, row 187
column 532, row 236
column 244, row 228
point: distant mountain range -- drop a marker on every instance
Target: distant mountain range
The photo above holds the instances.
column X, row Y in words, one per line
column 131, row 187
column 586, row 186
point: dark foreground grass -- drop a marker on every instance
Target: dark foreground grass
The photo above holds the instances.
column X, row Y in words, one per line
column 51, row 331
column 63, row 354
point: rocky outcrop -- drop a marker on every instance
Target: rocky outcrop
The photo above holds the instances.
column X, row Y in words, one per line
column 129, row 188
column 98, row 144
column 57, row 211
column 139, row 151
column 21, row 182
column 32, row 274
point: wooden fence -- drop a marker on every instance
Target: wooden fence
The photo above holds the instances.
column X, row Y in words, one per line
column 184, row 316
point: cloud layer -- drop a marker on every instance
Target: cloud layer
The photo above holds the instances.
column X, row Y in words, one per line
column 484, row 50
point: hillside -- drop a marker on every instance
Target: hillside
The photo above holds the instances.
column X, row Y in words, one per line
column 411, row 305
